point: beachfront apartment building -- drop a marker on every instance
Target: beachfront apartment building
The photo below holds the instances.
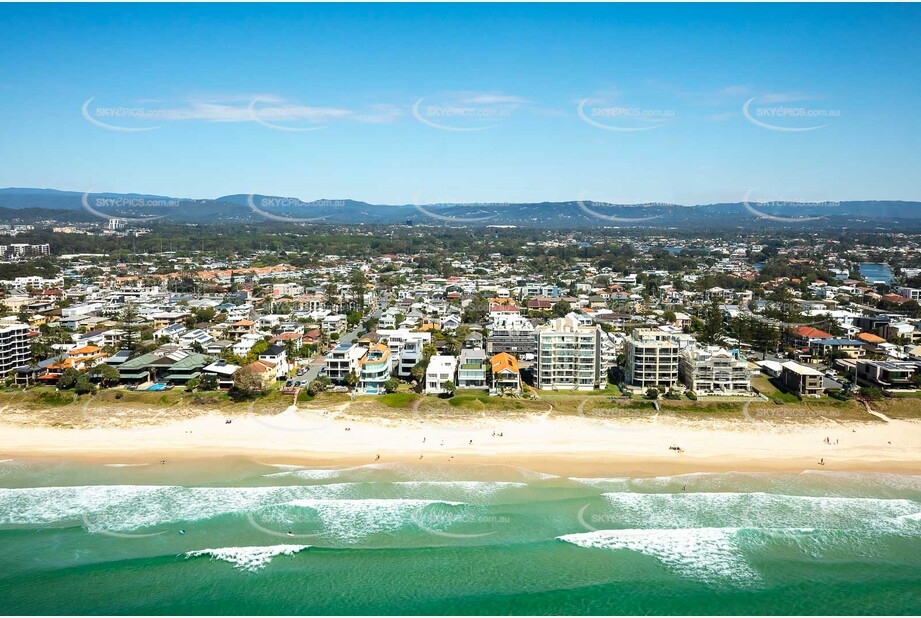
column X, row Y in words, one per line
column 374, row 370
column 568, row 355
column 472, row 369
column 802, row 380
column 342, row 360
column 440, row 369
column 652, row 359
column 713, row 370
column 514, row 334
column 15, row 350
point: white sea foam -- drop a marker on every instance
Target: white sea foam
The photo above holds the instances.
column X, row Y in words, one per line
column 751, row 510
column 350, row 521
column 708, row 554
column 248, row 558
column 128, row 508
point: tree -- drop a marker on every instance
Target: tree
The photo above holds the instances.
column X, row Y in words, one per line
column 107, row 374
column 208, row 382
column 652, row 393
column 247, row 383
column 476, row 310
column 68, row 379
column 448, row 387
column 358, row 280
column 561, row 308
column 711, row 328
column 391, row 385
column 351, row 380
column 129, row 322
column 83, row 386
column 353, row 317
column 192, row 384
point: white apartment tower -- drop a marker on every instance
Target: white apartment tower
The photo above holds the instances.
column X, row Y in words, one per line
column 568, row 355
column 652, row 359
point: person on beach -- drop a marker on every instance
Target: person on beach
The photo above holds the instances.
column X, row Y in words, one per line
column 822, row 461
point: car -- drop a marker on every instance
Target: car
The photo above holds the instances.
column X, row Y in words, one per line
column 297, row 383
column 288, row 384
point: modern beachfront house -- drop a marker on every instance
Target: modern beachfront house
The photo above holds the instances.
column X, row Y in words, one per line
column 441, row 369
column 472, row 369
column 374, row 370
column 342, row 360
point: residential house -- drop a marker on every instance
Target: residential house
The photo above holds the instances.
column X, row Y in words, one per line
column 343, row 360
column 887, row 374
column 440, row 369
column 277, row 356
column 374, row 370
column 505, row 373
column 472, row 368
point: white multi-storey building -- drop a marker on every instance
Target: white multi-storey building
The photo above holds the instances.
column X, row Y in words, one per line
column 405, row 348
column 14, row 347
column 652, row 359
column 713, row 370
column 342, row 360
column 568, row 355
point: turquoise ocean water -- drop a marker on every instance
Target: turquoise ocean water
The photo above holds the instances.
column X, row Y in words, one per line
column 448, row 539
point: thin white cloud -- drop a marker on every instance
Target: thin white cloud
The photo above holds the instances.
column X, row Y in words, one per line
column 490, row 98
column 736, row 90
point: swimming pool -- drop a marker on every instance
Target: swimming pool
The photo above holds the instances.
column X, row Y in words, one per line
column 157, row 387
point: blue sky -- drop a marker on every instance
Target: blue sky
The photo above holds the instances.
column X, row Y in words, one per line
column 468, row 103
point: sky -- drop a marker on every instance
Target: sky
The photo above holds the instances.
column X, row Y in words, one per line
column 483, row 103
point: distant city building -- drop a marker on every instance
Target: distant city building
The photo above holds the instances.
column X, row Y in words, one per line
column 20, row 251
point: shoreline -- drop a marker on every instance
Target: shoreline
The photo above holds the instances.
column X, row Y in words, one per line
column 567, row 446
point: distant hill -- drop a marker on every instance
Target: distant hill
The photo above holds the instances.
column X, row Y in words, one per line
column 38, row 204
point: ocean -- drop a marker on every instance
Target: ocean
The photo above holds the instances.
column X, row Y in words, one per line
column 235, row 536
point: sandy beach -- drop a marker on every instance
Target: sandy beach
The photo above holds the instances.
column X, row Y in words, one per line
column 575, row 446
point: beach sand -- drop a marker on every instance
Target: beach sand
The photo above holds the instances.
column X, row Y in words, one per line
column 569, row 445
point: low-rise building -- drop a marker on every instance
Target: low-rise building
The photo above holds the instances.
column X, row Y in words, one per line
column 472, row 369
column 342, row 360
column 802, row 380
column 374, row 370
column 887, row 374
column 506, row 375
column 440, row 369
